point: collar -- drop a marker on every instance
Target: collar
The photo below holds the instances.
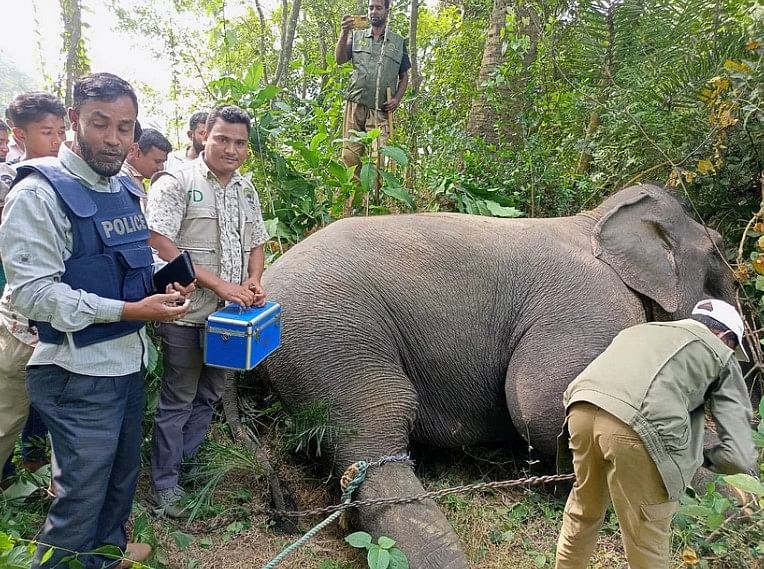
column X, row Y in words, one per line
column 127, row 167
column 79, row 168
column 367, row 34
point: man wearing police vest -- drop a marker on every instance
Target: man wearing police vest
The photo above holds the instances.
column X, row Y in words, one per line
column 75, row 249
column 210, row 210
column 380, row 62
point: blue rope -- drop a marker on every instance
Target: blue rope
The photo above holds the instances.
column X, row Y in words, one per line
column 347, row 495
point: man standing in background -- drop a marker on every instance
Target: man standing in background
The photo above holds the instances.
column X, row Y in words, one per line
column 4, row 140
column 146, row 157
column 380, row 62
column 196, row 135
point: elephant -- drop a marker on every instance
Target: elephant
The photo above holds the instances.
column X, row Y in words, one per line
column 450, row 329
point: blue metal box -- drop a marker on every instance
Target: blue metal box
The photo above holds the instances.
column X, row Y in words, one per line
column 240, row 338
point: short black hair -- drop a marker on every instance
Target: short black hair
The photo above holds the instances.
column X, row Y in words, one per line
column 102, row 87
column 34, row 106
column 137, row 131
column 152, row 138
column 712, row 324
column 229, row 113
column 199, row 117
column 4, row 126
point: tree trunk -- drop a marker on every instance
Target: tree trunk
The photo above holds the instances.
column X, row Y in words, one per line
column 416, row 78
column 287, row 42
column 77, row 63
column 263, row 52
column 416, row 81
column 483, row 115
column 495, row 108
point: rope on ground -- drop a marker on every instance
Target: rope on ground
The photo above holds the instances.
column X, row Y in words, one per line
column 356, row 474
column 401, row 500
column 351, row 480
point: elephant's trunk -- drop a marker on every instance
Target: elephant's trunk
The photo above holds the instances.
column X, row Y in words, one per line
column 420, row 530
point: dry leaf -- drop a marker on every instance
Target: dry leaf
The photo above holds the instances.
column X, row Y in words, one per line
column 690, row 557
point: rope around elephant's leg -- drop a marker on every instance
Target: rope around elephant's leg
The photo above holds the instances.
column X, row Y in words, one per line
column 351, row 480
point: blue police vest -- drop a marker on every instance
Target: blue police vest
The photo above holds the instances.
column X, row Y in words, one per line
column 111, row 256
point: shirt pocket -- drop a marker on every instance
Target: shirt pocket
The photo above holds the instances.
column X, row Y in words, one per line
column 394, row 54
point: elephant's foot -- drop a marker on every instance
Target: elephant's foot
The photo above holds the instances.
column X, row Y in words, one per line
column 421, row 530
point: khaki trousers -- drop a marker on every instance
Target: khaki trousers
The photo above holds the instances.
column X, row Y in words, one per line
column 14, row 399
column 360, row 118
column 611, row 462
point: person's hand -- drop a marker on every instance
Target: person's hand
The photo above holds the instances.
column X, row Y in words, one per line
column 391, row 105
column 239, row 294
column 347, row 23
column 257, row 289
column 185, row 291
column 159, row 307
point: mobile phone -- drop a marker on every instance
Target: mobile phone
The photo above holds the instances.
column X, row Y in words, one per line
column 179, row 270
column 360, row 22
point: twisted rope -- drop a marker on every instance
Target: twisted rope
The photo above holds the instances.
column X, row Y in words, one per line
column 351, row 480
column 354, row 477
column 402, row 500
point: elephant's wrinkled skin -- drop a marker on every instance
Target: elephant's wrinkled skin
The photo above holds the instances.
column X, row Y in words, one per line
column 456, row 330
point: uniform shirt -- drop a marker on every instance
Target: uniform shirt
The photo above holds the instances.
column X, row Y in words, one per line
column 167, row 208
column 370, row 80
column 657, row 378
column 16, row 324
column 35, row 240
column 176, row 160
column 14, row 152
column 128, row 170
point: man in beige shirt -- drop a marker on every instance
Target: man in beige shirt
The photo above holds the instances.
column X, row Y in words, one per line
column 210, row 210
column 196, row 136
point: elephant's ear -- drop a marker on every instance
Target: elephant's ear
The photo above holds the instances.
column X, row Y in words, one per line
column 637, row 238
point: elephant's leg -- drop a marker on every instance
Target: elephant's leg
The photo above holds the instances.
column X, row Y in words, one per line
column 538, row 374
column 381, row 406
column 420, row 530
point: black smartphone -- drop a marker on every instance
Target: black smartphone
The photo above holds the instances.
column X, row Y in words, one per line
column 179, row 270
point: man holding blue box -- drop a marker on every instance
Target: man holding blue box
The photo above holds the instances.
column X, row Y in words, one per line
column 210, row 210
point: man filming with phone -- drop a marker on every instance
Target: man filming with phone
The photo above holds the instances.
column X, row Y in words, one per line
column 380, row 64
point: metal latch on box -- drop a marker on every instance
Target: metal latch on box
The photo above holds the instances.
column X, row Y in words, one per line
column 227, row 333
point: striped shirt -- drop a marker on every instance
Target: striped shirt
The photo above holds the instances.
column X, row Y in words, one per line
column 35, row 240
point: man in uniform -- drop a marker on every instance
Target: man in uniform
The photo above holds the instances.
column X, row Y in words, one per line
column 38, row 120
column 74, row 246
column 196, row 136
column 380, row 62
column 635, row 430
column 147, row 157
column 210, row 210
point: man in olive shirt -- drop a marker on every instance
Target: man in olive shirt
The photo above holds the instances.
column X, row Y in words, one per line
column 367, row 106
column 635, row 430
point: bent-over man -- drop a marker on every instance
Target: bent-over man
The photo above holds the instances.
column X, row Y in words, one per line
column 635, row 430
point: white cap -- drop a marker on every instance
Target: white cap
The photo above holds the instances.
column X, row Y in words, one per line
column 726, row 315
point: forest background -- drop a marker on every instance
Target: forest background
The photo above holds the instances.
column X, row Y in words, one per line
column 516, row 108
